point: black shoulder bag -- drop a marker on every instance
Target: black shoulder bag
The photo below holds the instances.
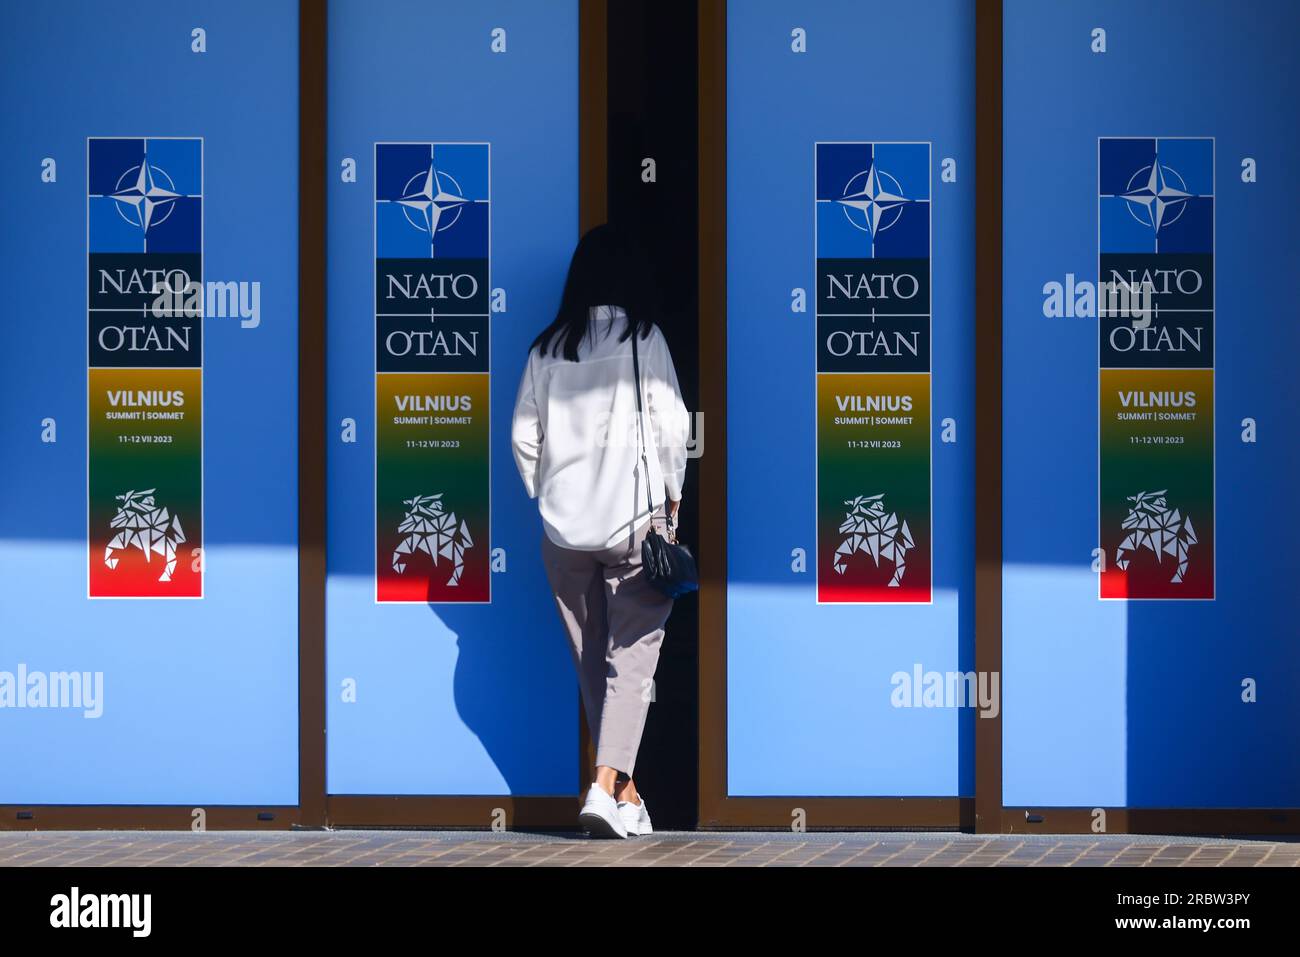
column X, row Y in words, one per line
column 670, row 567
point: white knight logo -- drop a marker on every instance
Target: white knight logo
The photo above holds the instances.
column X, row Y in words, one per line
column 1153, row 525
column 870, row 528
column 142, row 524
column 427, row 528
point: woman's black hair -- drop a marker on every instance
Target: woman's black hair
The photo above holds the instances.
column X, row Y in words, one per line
column 608, row 269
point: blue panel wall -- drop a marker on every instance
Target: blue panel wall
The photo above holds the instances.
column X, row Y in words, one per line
column 1140, row 704
column 450, row 699
column 809, row 687
column 200, row 702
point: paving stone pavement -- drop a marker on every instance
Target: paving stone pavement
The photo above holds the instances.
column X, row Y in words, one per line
column 407, row 848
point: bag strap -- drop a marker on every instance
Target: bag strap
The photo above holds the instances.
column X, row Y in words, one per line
column 640, row 437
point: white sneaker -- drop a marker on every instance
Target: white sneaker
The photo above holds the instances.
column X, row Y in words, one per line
column 600, row 815
column 636, row 818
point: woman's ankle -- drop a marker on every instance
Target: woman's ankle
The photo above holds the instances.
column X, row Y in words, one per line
column 625, row 790
column 607, row 779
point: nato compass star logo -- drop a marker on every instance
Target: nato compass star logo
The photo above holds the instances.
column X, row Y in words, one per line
column 145, row 196
column 873, row 200
column 432, row 200
column 1156, row 196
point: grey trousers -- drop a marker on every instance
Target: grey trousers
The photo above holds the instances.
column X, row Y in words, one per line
column 615, row 622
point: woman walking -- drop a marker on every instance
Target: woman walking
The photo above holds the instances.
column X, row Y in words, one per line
column 575, row 442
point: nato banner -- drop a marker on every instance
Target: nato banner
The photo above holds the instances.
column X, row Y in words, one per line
column 144, row 307
column 872, row 253
column 432, row 466
column 1156, row 366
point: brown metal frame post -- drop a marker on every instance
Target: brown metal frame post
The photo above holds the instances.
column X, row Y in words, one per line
column 988, row 403
column 593, row 113
column 593, row 198
column 312, row 195
column 712, row 44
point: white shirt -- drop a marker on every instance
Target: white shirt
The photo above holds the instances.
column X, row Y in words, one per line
column 575, row 441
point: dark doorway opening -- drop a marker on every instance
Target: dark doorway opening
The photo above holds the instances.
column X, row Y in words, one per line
column 653, row 95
